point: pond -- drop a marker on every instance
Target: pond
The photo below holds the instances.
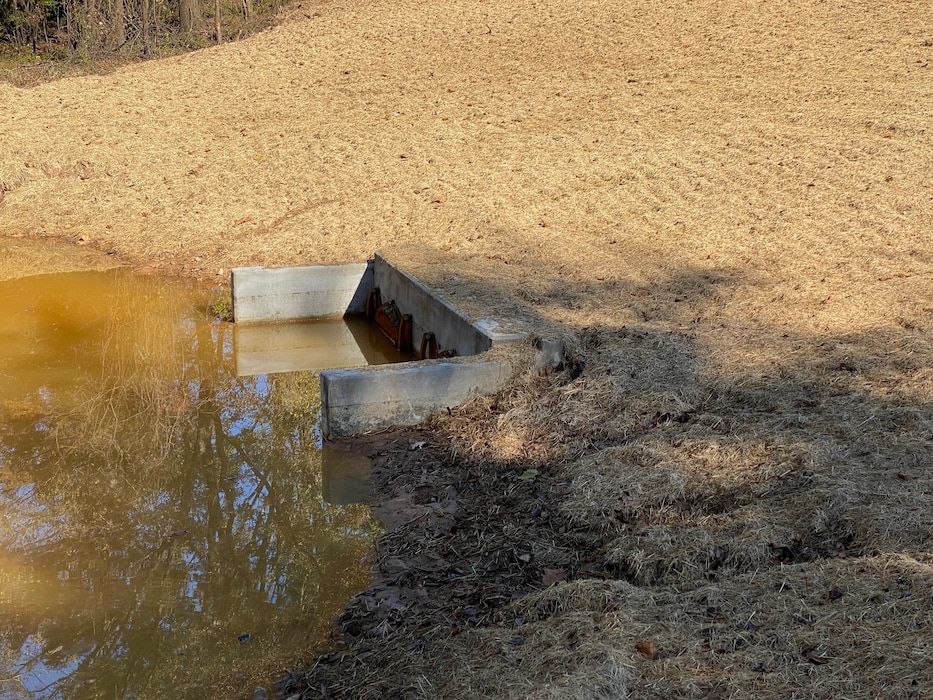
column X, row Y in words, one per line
column 169, row 527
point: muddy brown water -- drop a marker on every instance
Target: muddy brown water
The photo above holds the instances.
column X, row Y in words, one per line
column 168, row 525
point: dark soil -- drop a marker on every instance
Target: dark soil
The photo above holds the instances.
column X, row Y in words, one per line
column 466, row 536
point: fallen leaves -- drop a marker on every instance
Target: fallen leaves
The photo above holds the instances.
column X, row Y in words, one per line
column 552, row 576
column 649, row 649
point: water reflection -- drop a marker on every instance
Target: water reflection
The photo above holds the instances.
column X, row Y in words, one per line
column 162, row 524
column 268, row 348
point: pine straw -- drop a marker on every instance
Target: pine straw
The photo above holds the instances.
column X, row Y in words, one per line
column 837, row 628
column 727, row 478
column 757, row 540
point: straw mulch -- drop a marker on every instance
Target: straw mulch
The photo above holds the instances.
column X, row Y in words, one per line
column 725, row 207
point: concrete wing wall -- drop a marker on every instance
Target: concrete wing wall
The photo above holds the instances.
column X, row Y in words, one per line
column 453, row 330
column 292, row 293
column 355, row 401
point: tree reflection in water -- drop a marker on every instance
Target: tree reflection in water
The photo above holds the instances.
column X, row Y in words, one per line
column 155, row 509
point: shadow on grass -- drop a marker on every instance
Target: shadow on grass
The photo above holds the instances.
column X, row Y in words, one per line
column 651, row 489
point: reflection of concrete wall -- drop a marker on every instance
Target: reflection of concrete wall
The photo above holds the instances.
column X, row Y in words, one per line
column 291, row 293
column 345, row 476
column 293, row 347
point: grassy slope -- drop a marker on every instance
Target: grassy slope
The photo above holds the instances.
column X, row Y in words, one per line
column 728, row 203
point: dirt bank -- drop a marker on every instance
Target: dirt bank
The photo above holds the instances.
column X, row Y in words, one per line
column 727, row 205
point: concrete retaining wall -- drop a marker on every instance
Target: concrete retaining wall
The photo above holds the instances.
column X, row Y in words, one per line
column 366, row 399
column 358, row 401
column 291, row 293
column 453, row 330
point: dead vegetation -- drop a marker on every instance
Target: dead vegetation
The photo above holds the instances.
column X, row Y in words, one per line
column 645, row 529
column 726, row 207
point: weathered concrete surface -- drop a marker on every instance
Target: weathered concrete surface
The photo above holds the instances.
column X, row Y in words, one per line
column 497, row 334
column 549, row 353
column 290, row 293
column 453, row 330
column 358, row 401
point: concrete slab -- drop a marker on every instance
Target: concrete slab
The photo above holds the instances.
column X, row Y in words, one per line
column 289, row 293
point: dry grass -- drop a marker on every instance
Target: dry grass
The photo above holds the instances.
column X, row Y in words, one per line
column 832, row 629
column 727, row 206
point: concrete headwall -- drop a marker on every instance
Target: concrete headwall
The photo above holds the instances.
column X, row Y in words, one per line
column 365, row 399
column 355, row 401
column 292, row 293
column 452, row 329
